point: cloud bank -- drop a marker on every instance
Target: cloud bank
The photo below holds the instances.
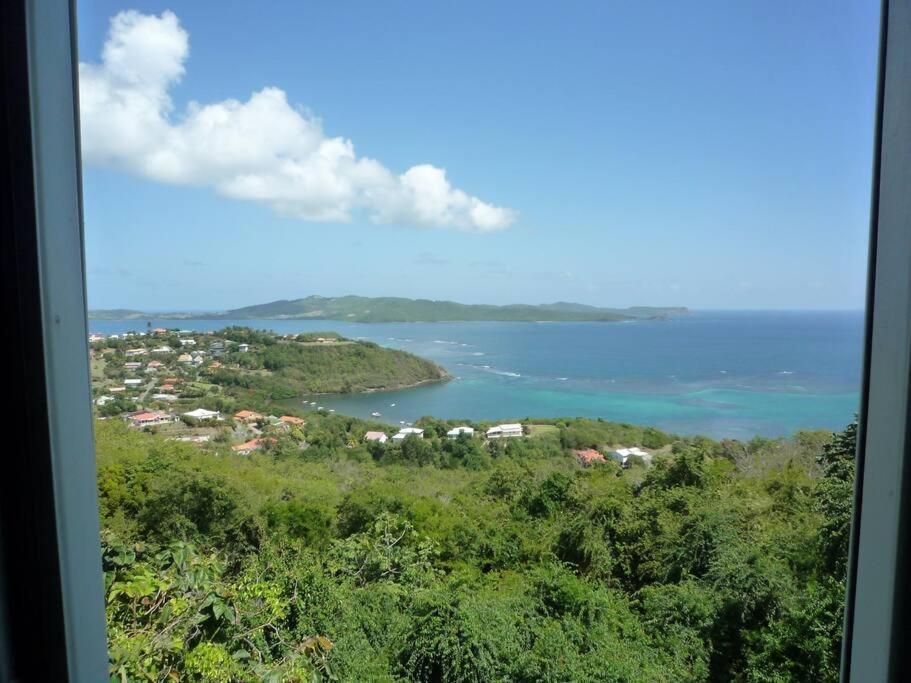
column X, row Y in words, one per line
column 261, row 150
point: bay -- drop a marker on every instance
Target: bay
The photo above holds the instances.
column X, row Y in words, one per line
column 721, row 374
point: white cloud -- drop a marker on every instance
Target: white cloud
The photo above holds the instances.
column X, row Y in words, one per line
column 261, row 150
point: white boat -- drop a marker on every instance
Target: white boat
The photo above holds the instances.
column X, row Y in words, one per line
column 331, row 410
column 392, row 405
column 375, row 414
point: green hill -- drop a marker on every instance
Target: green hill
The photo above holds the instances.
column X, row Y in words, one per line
column 397, row 309
column 282, row 367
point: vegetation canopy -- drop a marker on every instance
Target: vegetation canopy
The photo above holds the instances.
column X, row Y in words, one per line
column 442, row 559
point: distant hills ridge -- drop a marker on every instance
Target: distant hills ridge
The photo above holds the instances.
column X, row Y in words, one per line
column 396, row 309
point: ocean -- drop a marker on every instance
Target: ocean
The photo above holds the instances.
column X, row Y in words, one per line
column 720, row 374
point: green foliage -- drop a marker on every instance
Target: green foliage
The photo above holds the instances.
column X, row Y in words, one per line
column 451, row 560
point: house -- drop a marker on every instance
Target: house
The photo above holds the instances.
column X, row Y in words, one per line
column 162, row 349
column 185, row 358
column 405, row 432
column 95, row 336
column 247, row 416
column 456, row 432
column 132, row 365
column 159, row 330
column 291, row 420
column 376, row 436
column 588, row 457
column 187, row 342
column 504, row 431
column 117, row 390
column 243, row 348
column 131, row 353
column 622, row 455
column 153, row 365
column 214, row 365
column 203, row 414
column 164, row 397
column 149, row 418
column 166, row 387
column 103, row 400
column 132, row 382
column 247, row 447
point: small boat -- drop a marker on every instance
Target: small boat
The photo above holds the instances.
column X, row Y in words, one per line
column 312, row 403
column 375, row 414
column 331, row 410
column 320, row 408
column 392, row 405
column 401, row 422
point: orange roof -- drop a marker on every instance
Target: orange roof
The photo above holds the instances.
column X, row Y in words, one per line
column 166, row 387
column 291, row 420
column 246, row 415
column 251, row 445
column 588, row 456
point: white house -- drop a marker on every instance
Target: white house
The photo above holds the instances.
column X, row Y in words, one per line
column 132, row 365
column 163, row 349
column 406, row 432
column 149, row 418
column 456, row 432
column 203, row 414
column 130, row 353
column 132, row 382
column 187, row 342
column 102, row 400
column 243, row 348
column 622, row 455
column 504, row 431
column 376, row 436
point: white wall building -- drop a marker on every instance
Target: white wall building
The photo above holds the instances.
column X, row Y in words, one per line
column 456, row 432
column 406, row 432
column 203, row 414
column 622, row 455
column 504, row 431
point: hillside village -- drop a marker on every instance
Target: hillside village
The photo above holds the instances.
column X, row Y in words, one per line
column 225, row 391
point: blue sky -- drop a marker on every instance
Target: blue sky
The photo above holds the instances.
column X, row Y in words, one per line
column 708, row 154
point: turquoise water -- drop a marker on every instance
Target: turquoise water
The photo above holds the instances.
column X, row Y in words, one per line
column 722, row 374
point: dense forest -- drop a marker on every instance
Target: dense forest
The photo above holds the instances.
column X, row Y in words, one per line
column 320, row 558
column 286, row 369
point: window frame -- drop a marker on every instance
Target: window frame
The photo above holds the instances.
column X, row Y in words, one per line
column 876, row 618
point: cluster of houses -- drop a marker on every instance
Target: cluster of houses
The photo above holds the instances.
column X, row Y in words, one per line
column 498, row 432
column 622, row 456
column 149, row 418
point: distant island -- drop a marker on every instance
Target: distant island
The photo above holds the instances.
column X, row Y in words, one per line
column 398, row 310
